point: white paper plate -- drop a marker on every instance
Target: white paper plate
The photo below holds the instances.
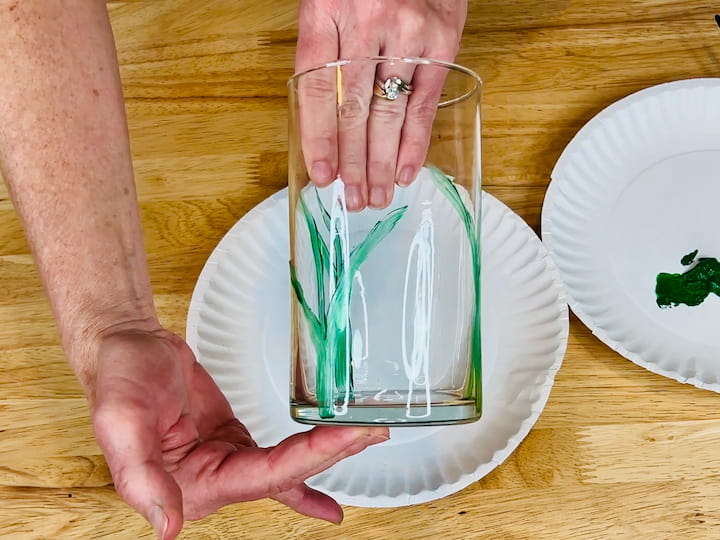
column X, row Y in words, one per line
column 238, row 326
column 635, row 190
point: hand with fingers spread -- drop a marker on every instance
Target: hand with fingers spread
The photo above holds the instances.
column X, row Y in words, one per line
column 177, row 452
column 377, row 133
column 173, row 446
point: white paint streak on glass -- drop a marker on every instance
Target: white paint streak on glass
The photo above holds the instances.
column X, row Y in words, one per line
column 360, row 343
column 417, row 362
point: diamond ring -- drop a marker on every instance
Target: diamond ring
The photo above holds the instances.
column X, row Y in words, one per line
column 392, row 88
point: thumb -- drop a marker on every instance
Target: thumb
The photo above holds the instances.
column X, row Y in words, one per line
column 131, row 444
column 255, row 473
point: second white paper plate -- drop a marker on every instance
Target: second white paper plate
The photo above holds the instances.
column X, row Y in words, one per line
column 636, row 190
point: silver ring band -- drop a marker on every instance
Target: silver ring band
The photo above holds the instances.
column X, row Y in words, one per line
column 392, row 88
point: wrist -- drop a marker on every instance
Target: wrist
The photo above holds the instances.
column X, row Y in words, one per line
column 83, row 335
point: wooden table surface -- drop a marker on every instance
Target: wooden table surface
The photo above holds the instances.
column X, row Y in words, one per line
column 618, row 452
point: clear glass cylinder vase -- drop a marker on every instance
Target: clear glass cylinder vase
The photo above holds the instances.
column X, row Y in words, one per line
column 385, row 300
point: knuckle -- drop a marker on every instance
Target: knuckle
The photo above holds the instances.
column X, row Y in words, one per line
column 120, row 481
column 353, row 109
column 282, row 485
column 115, row 426
column 278, row 483
column 413, row 23
column 447, row 50
column 379, row 170
column 387, row 110
column 415, row 148
column 320, row 145
column 105, row 419
column 317, row 133
column 353, row 162
column 317, row 86
column 422, row 111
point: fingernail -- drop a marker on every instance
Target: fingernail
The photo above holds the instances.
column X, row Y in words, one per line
column 377, row 197
column 321, row 173
column 406, row 176
column 353, row 198
column 361, row 444
column 337, row 521
column 158, row 520
column 377, row 439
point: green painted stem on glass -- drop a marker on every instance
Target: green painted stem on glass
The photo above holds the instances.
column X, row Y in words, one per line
column 447, row 187
column 323, row 211
column 316, row 328
column 324, row 375
column 320, row 256
column 338, row 317
column 330, row 330
column 340, row 350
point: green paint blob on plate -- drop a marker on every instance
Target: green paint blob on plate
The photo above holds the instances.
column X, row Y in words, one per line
column 688, row 259
column 691, row 287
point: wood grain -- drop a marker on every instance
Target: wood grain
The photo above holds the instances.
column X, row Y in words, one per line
column 618, row 452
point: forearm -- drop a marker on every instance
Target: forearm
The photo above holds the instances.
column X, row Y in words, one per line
column 65, row 156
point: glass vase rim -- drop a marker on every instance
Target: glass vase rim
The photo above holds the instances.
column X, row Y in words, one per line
column 419, row 60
